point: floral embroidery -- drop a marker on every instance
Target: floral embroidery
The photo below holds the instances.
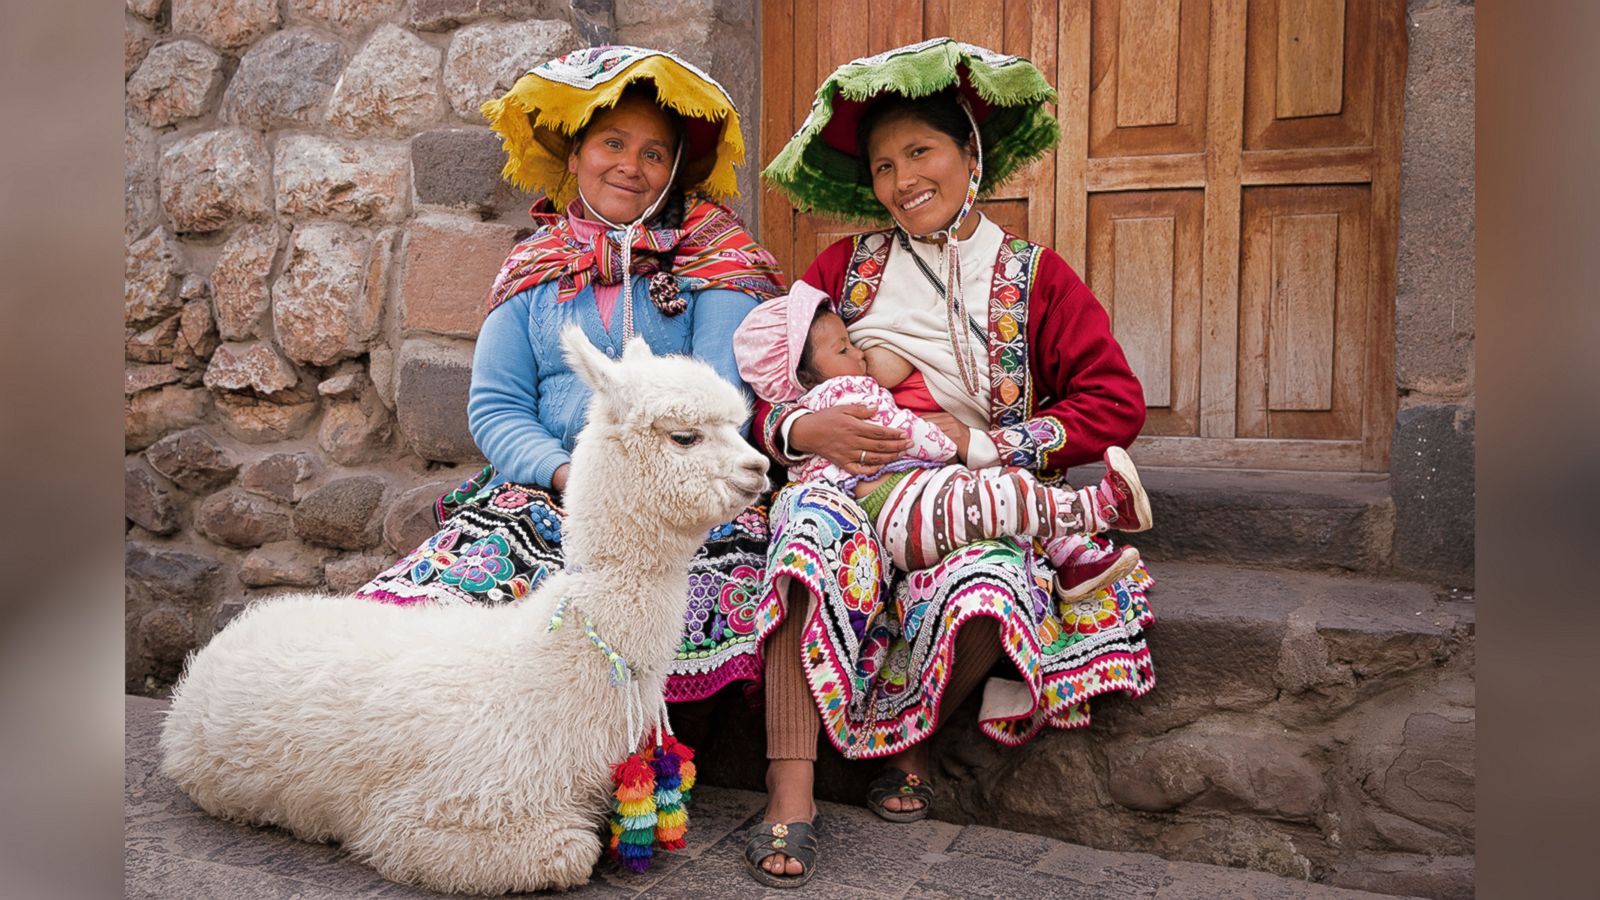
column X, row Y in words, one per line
column 1094, row 614
column 737, row 601
column 860, row 573
column 512, row 499
column 482, row 565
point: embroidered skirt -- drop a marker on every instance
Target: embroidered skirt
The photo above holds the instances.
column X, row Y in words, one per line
column 879, row 645
column 496, row 544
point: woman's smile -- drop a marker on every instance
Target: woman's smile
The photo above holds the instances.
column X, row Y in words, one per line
column 917, row 200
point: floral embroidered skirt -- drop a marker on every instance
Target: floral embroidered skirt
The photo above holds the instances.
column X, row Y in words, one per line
column 495, row 545
column 878, row 647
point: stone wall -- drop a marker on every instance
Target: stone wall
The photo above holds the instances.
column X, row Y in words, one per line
column 313, row 217
column 1432, row 460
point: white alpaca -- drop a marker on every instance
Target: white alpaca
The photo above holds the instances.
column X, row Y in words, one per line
column 468, row 749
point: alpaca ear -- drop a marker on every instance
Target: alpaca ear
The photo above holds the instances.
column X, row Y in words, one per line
column 593, row 367
column 637, row 350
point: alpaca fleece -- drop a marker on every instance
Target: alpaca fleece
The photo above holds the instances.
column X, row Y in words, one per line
column 462, row 748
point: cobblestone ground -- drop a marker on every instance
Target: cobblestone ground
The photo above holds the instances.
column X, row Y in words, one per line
column 176, row 852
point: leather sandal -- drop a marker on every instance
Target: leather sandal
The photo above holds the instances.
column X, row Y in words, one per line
column 797, row 840
column 895, row 782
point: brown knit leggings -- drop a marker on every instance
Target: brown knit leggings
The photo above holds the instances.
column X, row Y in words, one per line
column 792, row 720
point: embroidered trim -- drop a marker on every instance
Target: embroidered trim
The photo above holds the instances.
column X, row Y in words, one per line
column 1010, row 382
column 867, row 261
column 1029, row 442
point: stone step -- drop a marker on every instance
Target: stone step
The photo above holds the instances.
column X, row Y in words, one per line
column 1298, row 520
column 174, row 850
column 1310, row 725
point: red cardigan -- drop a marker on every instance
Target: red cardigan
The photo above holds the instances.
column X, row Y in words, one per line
column 1084, row 397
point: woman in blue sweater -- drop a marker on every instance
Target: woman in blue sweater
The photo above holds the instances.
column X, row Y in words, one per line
column 625, row 144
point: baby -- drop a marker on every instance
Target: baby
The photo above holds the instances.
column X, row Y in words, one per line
column 792, row 349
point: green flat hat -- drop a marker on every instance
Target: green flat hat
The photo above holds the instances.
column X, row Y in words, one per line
column 820, row 169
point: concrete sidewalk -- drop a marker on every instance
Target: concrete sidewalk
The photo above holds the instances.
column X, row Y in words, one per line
column 176, row 852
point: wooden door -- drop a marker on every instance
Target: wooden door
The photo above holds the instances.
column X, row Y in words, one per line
column 1227, row 183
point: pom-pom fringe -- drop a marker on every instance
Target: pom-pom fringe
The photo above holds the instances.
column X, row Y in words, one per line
column 649, row 808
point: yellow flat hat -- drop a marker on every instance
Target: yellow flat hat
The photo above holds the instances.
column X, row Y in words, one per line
column 538, row 117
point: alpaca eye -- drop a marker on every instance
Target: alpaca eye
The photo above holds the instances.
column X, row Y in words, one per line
column 686, row 438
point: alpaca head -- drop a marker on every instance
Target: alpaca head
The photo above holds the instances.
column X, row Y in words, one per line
column 661, row 441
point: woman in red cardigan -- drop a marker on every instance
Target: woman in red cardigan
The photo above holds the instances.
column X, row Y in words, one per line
column 1015, row 361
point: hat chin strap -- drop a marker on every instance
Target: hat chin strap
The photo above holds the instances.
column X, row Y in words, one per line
column 628, row 231
column 956, row 308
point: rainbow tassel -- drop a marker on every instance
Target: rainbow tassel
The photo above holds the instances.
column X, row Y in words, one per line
column 648, row 806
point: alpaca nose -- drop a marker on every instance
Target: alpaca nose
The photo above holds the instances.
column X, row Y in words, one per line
column 756, row 466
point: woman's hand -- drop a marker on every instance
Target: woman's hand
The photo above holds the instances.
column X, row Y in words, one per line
column 845, row 437
column 954, row 429
column 558, row 478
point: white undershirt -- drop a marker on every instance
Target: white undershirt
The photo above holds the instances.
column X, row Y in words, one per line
column 909, row 318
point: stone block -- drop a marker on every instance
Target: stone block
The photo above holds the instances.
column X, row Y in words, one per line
column 162, row 575
column 177, row 81
column 229, row 24
column 141, row 200
column 193, row 460
column 450, row 267
column 1212, row 768
column 157, row 344
column 1292, row 520
column 345, row 513
column 356, row 427
column 263, row 420
column 431, row 387
column 1409, row 874
column 685, row 27
column 325, row 305
column 321, row 177
column 164, row 638
column 485, row 59
column 238, row 519
column 284, row 80
column 147, row 377
column 239, row 282
column 410, row 519
column 146, row 501
column 457, row 167
column 1432, row 470
column 1431, row 780
column 280, row 476
column 148, row 9
column 153, row 270
column 137, row 38
column 443, row 15
column 391, row 87
column 214, row 179
column 284, row 563
column 150, row 414
column 197, row 334
column 345, row 575
column 1435, row 315
column 380, row 366
column 255, row 366
column 344, row 15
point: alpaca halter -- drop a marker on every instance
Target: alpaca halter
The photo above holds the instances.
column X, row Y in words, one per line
column 956, row 304
column 627, row 239
column 621, row 677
